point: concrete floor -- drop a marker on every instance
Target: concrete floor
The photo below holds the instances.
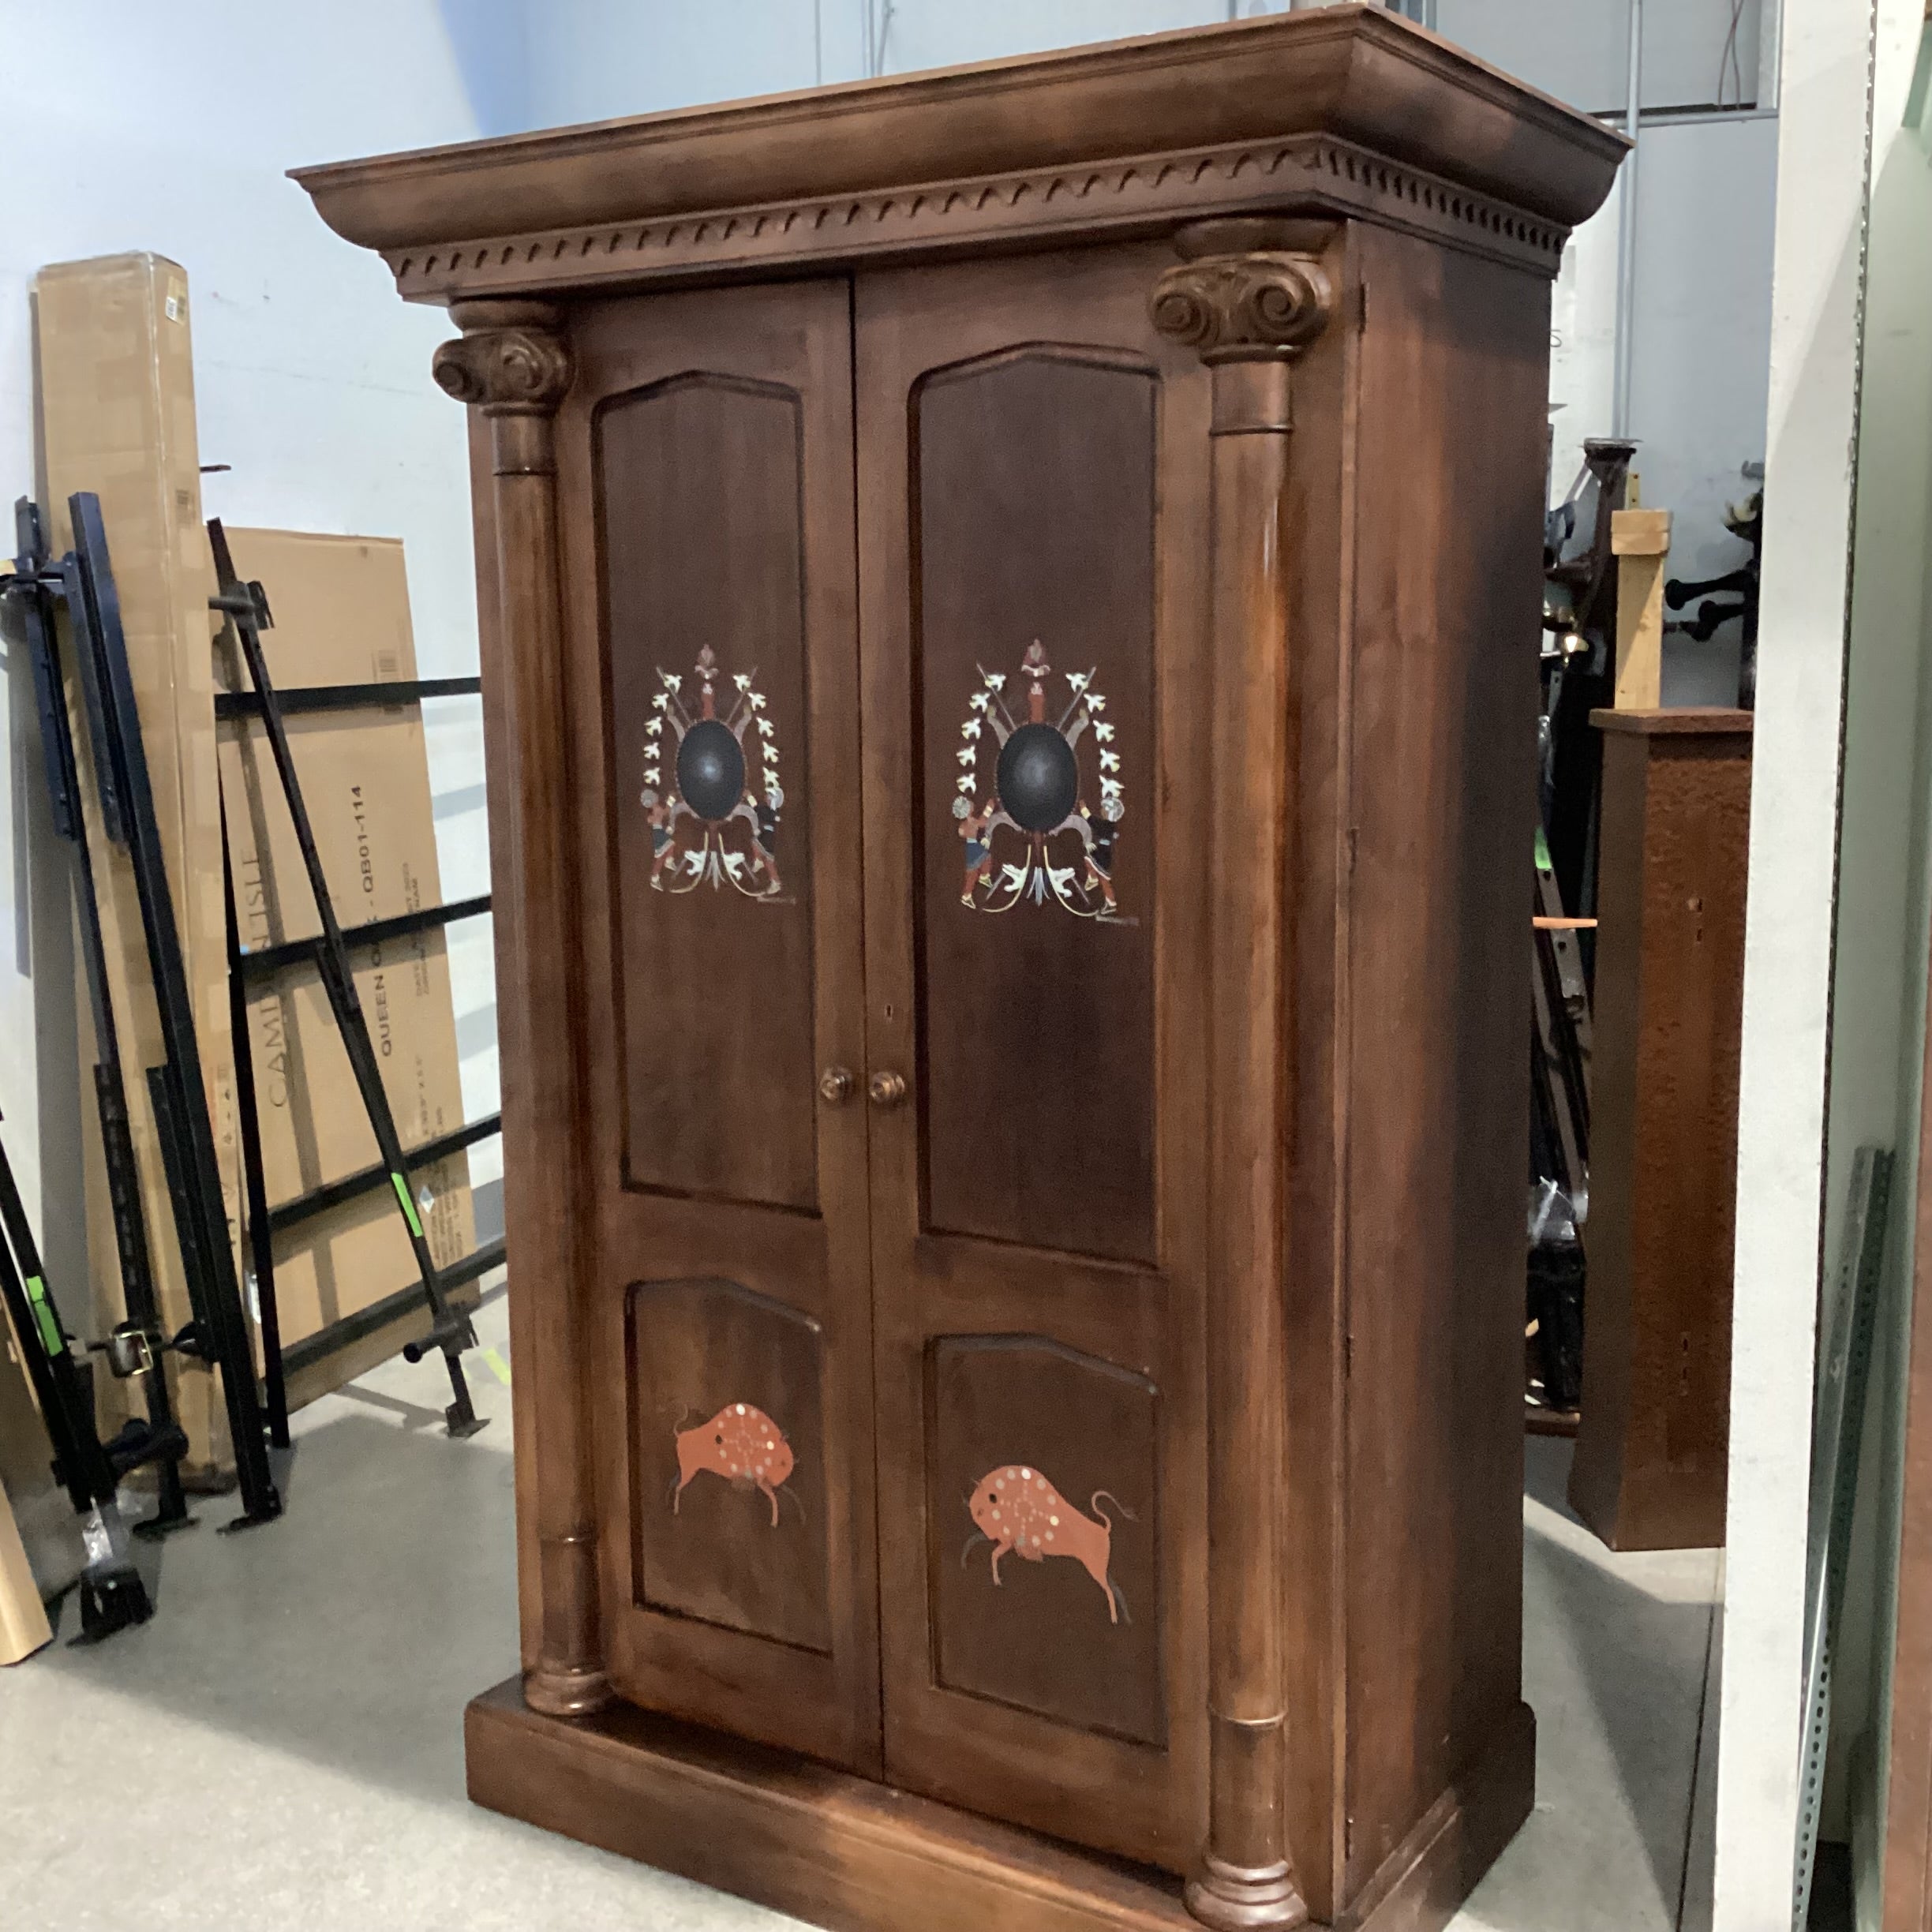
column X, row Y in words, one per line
column 284, row 1744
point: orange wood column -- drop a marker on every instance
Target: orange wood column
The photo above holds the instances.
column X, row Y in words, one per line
column 513, row 364
column 1251, row 297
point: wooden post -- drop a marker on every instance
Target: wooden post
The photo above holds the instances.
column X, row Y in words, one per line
column 514, row 364
column 1253, row 296
column 1640, row 541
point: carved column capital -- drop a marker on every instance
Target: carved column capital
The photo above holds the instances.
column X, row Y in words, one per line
column 511, row 360
column 1253, row 290
column 1243, row 308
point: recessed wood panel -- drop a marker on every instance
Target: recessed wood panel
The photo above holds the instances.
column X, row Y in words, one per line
column 1044, row 1535
column 1034, row 526
column 698, row 482
column 727, row 1435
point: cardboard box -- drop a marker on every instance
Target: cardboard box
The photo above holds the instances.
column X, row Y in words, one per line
column 340, row 616
column 116, row 387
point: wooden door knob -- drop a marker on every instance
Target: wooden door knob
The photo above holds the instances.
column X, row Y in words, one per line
column 886, row 1090
column 835, row 1086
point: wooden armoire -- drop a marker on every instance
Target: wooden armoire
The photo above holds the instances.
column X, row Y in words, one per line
column 1009, row 611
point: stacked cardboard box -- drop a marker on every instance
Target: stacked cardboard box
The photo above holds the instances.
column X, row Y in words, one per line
column 340, row 606
column 116, row 382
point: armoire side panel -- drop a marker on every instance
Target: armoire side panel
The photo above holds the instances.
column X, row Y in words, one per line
column 700, row 482
column 1035, row 483
column 1442, row 807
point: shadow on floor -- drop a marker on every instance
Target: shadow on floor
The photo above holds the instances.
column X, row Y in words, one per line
column 352, row 1632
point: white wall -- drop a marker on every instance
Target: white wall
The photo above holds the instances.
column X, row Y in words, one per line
column 1808, row 492
column 168, row 128
column 1702, row 327
column 1879, row 968
column 1578, row 49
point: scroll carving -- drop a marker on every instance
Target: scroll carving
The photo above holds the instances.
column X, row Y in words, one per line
column 510, row 361
column 1242, row 308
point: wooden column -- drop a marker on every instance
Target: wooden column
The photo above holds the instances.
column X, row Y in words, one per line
column 514, row 364
column 1652, row 1455
column 1250, row 298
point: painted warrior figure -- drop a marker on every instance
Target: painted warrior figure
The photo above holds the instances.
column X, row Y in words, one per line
column 1102, row 832
column 973, row 823
column 1035, row 666
column 765, row 838
column 657, row 815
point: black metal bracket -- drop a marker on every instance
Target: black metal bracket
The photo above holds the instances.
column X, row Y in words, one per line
column 264, row 962
column 303, row 697
column 176, row 1089
column 82, row 583
column 246, row 607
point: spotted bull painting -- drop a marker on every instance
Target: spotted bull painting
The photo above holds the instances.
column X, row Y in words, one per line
column 1018, row 1511
column 741, row 1444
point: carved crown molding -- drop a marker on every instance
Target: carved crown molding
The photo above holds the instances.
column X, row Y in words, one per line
column 511, row 359
column 1235, row 308
column 1303, row 174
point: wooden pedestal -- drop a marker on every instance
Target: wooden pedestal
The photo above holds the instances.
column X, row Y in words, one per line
column 1651, row 1456
column 840, row 1851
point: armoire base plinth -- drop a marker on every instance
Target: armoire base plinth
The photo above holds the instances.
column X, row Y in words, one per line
column 843, row 1852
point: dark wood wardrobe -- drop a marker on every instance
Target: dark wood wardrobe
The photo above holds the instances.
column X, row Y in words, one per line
column 1009, row 605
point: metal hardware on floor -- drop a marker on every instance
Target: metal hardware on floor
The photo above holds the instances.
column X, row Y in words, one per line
column 112, row 1594
column 1844, row 1372
column 246, row 607
column 82, row 583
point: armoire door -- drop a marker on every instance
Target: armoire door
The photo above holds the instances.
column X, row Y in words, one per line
column 706, row 489
column 1032, row 491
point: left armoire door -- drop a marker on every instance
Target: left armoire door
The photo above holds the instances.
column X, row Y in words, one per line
column 704, row 476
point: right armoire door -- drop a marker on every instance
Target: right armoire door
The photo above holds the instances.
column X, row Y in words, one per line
column 1032, row 464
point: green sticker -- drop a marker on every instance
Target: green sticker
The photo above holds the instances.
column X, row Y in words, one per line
column 409, row 1207
column 1542, row 855
column 43, row 1314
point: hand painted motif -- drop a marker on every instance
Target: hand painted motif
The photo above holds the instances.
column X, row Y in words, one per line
column 1020, row 1513
column 740, row 1444
column 1043, row 823
column 717, row 820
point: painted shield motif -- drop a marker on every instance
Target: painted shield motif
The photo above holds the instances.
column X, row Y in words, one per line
column 715, row 819
column 1039, row 798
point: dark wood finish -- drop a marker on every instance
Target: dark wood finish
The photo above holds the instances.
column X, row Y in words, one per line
column 1076, row 1641
column 699, row 487
column 498, row 762
column 961, row 977
column 698, row 1349
column 1034, row 481
column 1252, row 298
column 841, row 1852
column 1438, row 768
column 731, row 963
column 1652, row 1451
column 512, row 366
column 1101, row 1158
column 1387, row 115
